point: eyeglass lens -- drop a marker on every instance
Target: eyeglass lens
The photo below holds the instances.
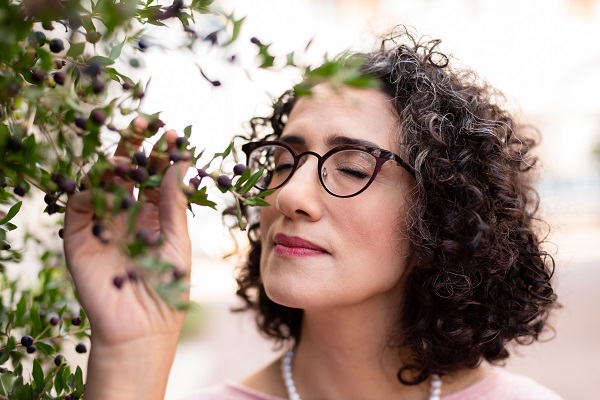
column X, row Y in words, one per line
column 343, row 173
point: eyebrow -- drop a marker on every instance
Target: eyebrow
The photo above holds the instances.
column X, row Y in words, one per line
column 331, row 140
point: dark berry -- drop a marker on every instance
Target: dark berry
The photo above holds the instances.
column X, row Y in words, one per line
column 59, row 360
column 155, row 125
column 202, row 173
column 140, row 175
column 5, row 245
column 98, row 87
column 76, row 320
column 93, row 37
column 49, row 199
column 71, row 397
column 135, row 63
column 175, row 155
column 151, row 170
column 177, row 273
column 98, row 117
column 196, row 182
column 212, row 37
column 54, row 320
column 38, row 75
column 52, row 208
column 97, row 229
column 145, row 236
column 126, row 203
column 61, row 233
column 68, row 186
column 3, row 370
column 224, row 181
column 133, row 275
column 56, row 45
column 181, row 142
column 93, row 69
column 59, row 78
column 126, row 85
column 47, row 25
column 31, row 349
column 15, row 144
column 122, row 170
column 118, row 281
column 80, row 348
column 27, row 340
column 177, row 5
column 20, row 190
column 239, row 169
column 140, row 158
column 58, row 64
column 37, row 39
column 143, row 44
column 80, row 122
column 75, row 21
column 13, row 88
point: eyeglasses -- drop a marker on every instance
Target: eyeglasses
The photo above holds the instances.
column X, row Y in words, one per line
column 344, row 171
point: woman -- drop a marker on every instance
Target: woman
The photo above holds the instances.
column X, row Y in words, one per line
column 397, row 255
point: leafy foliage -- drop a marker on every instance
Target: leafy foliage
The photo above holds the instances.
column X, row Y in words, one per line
column 57, row 60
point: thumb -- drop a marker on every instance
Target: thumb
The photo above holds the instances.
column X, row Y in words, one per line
column 173, row 203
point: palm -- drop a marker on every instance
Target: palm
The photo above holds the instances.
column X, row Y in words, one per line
column 118, row 316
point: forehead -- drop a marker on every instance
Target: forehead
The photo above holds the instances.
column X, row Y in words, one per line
column 365, row 114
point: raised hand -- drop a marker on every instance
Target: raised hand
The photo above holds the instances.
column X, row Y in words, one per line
column 131, row 326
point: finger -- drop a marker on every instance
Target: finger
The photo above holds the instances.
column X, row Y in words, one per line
column 173, row 206
column 115, row 175
column 159, row 160
column 131, row 144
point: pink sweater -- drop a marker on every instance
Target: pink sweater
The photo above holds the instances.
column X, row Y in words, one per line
column 497, row 385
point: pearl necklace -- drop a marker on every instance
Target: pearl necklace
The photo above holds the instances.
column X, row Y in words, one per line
column 435, row 388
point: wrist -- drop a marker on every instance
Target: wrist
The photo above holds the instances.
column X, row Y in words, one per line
column 133, row 370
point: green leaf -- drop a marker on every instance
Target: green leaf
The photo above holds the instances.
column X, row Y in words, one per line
column 59, row 382
column 34, row 316
column 11, row 213
column 255, row 201
column 103, row 61
column 187, row 131
column 200, row 197
column 78, row 381
column 45, row 348
column 98, row 201
column 115, row 52
column 76, row 50
column 38, row 375
column 224, row 153
column 21, row 307
column 237, row 26
column 252, row 181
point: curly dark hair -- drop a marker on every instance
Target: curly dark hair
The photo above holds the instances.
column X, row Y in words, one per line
column 480, row 278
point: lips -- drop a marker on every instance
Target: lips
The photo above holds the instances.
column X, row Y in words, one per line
column 296, row 246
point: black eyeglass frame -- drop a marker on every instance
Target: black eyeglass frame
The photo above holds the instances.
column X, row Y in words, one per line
column 381, row 155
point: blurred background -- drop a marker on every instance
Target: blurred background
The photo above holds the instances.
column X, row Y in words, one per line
column 543, row 54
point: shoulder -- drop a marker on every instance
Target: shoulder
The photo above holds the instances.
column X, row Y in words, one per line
column 499, row 384
column 231, row 391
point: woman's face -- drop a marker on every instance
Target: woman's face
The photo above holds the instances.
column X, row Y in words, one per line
column 320, row 251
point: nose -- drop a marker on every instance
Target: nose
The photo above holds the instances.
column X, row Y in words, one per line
column 301, row 196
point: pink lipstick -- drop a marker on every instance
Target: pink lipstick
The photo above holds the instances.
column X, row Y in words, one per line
column 296, row 246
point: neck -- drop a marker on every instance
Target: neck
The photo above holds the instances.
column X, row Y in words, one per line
column 344, row 354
